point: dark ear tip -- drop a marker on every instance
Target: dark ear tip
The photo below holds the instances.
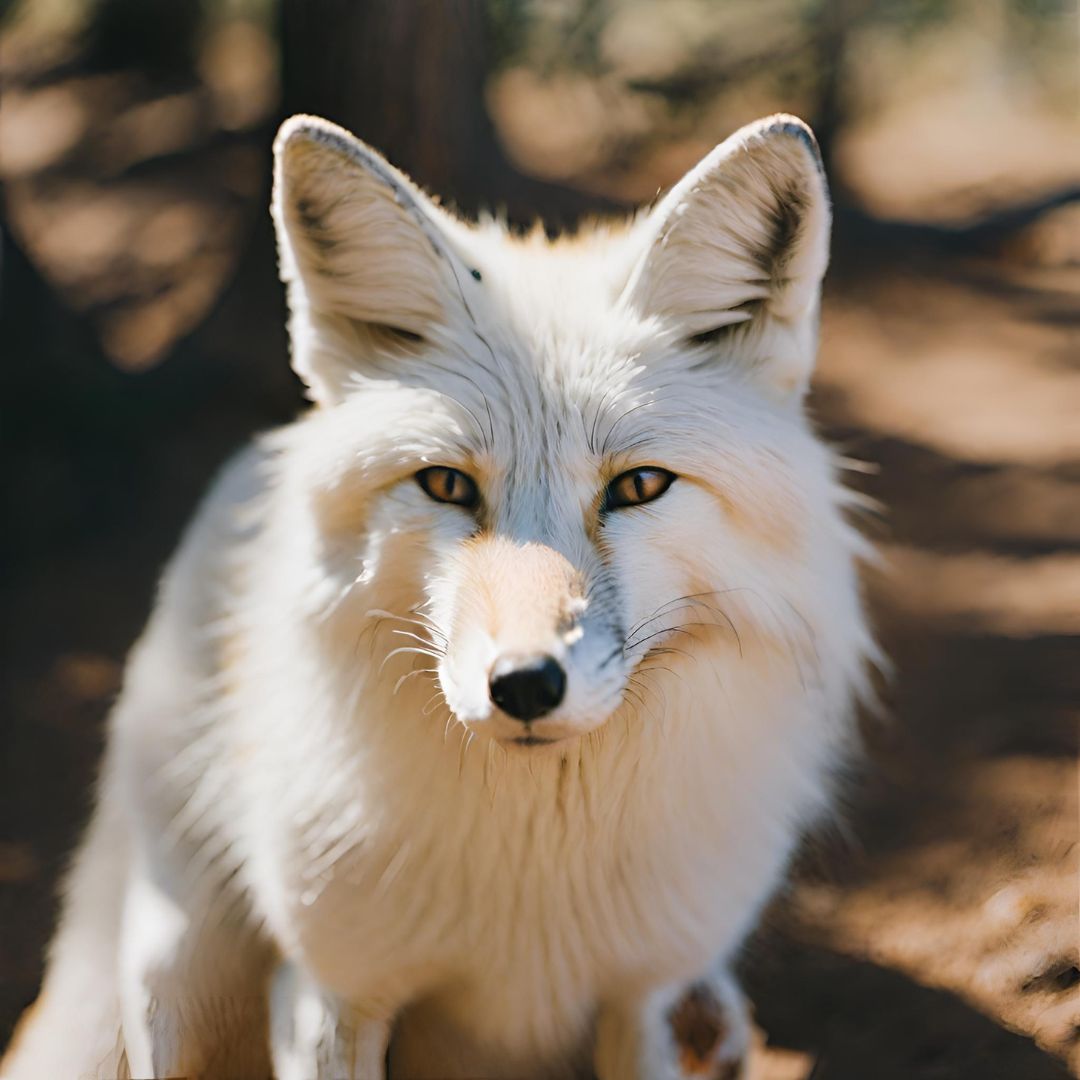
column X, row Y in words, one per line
column 785, row 125
column 297, row 128
column 302, row 131
column 310, row 142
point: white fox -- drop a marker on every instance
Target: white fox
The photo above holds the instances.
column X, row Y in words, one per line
column 482, row 706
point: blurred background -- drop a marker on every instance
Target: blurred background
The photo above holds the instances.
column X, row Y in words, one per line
column 934, row 934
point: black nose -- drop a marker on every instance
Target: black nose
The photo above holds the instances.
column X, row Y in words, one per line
column 527, row 686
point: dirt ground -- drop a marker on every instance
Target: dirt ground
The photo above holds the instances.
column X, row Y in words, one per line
column 933, row 932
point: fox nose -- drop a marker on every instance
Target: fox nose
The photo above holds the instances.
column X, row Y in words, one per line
column 527, row 687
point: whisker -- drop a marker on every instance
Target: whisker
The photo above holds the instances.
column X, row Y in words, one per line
column 619, row 420
column 409, row 674
column 407, row 649
column 423, row 623
column 631, row 643
column 433, row 702
column 417, row 637
column 681, row 629
column 596, row 419
column 665, row 609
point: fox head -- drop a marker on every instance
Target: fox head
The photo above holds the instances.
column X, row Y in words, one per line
column 550, row 466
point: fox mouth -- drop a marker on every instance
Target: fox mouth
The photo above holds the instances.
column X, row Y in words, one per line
column 531, row 740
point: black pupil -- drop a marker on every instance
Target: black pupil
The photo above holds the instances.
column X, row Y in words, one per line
column 639, row 484
column 450, row 483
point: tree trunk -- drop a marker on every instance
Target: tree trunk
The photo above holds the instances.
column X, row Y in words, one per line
column 408, row 76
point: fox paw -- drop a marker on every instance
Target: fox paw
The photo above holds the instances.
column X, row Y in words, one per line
column 710, row 1030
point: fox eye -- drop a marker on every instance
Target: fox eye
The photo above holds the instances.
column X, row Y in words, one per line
column 447, row 485
column 637, row 486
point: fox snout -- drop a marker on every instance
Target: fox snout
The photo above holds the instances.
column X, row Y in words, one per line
column 522, row 642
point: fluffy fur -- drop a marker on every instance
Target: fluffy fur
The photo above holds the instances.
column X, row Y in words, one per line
column 314, row 830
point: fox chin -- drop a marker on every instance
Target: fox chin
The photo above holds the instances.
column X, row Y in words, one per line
column 482, row 707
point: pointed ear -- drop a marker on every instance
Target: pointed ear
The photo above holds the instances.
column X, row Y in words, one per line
column 735, row 253
column 367, row 257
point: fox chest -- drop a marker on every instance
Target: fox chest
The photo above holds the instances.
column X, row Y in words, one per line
column 498, row 962
column 538, row 925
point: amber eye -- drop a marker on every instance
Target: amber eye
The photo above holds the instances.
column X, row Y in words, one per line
column 448, row 485
column 637, row 486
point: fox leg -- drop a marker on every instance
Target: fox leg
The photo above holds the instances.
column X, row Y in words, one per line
column 697, row 1031
column 73, row 1029
column 315, row 1035
column 193, row 980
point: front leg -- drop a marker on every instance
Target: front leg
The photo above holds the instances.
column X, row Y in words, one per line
column 192, row 977
column 316, row 1036
column 697, row 1031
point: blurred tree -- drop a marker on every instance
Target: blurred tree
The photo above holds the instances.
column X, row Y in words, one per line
column 408, row 76
column 159, row 39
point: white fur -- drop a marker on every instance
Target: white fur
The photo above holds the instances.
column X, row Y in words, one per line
column 293, row 821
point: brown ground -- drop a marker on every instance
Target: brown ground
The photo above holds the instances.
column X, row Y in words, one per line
column 934, row 934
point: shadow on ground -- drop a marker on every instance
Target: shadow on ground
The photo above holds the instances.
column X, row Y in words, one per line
column 856, row 1020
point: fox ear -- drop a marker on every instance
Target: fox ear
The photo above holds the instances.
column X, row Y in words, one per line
column 735, row 253
column 367, row 257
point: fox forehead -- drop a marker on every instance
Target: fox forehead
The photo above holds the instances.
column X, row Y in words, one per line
column 527, row 420
column 545, row 326
column 567, row 291
column 551, row 360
